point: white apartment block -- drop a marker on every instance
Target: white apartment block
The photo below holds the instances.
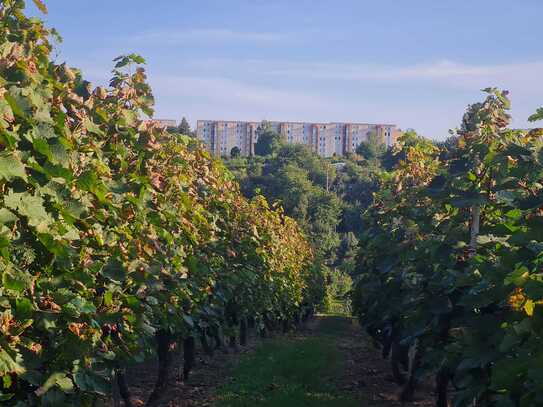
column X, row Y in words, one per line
column 325, row 139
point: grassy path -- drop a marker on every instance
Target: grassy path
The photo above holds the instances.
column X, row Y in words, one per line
column 329, row 363
column 292, row 371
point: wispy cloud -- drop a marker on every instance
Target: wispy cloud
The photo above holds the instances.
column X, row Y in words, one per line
column 212, row 35
column 227, row 91
column 446, row 71
column 523, row 78
column 224, row 98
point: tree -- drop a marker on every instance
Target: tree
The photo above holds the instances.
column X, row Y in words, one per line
column 348, row 247
column 318, row 169
column 235, row 152
column 355, row 185
column 184, row 127
column 372, row 149
column 295, row 177
column 394, row 155
column 269, row 141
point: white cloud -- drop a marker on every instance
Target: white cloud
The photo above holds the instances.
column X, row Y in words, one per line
column 223, row 90
column 523, row 78
column 173, row 37
column 446, row 72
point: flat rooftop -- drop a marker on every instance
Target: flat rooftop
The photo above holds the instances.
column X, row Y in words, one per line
column 301, row 123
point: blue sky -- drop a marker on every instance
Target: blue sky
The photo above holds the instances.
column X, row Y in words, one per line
column 415, row 63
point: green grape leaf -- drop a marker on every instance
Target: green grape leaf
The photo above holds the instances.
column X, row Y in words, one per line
column 114, row 270
column 89, row 381
column 23, row 308
column 56, row 379
column 30, row 206
column 11, row 167
column 92, row 127
column 8, row 364
column 7, row 216
column 538, row 115
column 15, row 279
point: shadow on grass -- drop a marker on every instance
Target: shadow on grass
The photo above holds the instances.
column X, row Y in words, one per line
column 334, row 324
column 291, row 372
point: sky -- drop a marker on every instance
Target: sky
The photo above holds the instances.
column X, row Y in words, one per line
column 415, row 63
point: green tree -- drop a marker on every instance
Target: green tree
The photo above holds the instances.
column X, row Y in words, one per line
column 338, row 286
column 372, row 149
column 348, row 247
column 319, row 170
column 295, row 177
column 184, row 127
column 355, row 185
column 269, row 141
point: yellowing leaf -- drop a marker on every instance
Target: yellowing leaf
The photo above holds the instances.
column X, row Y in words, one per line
column 529, row 307
column 41, row 5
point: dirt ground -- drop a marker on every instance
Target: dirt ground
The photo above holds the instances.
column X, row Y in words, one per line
column 368, row 375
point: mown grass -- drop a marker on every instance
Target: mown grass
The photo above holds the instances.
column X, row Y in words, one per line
column 290, row 372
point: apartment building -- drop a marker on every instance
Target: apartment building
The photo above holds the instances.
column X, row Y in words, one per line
column 325, row 139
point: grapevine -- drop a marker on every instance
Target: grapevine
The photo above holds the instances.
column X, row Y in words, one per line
column 117, row 238
column 459, row 282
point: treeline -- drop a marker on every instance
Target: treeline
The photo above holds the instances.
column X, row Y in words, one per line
column 117, row 238
column 449, row 271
